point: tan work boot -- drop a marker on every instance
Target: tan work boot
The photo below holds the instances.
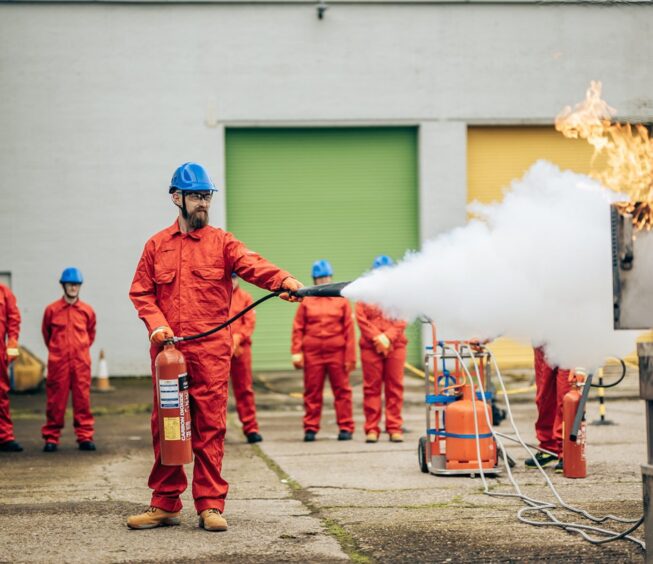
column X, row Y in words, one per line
column 153, row 517
column 396, row 438
column 372, row 437
column 212, row 520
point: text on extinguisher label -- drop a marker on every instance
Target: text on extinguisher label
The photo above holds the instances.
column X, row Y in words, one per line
column 169, row 394
column 171, row 429
column 184, row 422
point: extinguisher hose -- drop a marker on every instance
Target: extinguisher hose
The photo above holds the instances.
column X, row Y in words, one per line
column 332, row 290
column 618, row 381
column 229, row 321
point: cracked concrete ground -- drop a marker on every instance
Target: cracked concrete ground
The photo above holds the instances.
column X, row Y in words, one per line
column 327, row 501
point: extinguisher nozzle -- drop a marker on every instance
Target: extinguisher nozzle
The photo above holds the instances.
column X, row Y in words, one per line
column 322, row 290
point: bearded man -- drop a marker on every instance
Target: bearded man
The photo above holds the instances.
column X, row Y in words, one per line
column 182, row 286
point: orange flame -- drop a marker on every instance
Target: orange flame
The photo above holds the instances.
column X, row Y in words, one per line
column 628, row 152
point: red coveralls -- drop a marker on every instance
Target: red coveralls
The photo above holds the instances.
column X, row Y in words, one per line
column 9, row 329
column 241, row 365
column 552, row 384
column 69, row 332
column 323, row 331
column 183, row 280
column 379, row 370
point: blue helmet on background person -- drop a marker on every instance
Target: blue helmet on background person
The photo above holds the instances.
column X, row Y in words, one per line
column 191, row 177
column 382, row 260
column 321, row 268
column 71, row 275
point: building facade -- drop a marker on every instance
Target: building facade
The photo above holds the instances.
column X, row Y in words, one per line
column 340, row 137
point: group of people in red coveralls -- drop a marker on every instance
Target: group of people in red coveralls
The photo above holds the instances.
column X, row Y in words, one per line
column 186, row 282
column 68, row 329
column 323, row 343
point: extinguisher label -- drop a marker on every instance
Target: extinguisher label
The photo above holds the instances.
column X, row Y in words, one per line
column 171, row 429
column 169, row 394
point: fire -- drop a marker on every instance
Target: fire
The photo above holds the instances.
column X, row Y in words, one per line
column 627, row 150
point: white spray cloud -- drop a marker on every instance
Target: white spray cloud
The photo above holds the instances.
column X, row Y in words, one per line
column 535, row 267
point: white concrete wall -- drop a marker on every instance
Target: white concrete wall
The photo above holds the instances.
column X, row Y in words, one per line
column 100, row 102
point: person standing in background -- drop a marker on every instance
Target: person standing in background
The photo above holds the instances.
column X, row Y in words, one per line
column 9, row 330
column 383, row 355
column 552, row 383
column 69, row 331
column 241, row 361
column 324, row 342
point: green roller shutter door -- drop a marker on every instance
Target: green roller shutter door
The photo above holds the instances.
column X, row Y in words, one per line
column 298, row 195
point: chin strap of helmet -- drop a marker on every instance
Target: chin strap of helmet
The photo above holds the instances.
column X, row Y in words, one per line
column 184, row 211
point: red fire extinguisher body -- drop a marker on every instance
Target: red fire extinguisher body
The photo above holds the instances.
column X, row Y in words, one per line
column 173, row 405
column 573, row 452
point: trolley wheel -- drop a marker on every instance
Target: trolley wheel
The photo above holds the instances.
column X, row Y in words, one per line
column 421, row 454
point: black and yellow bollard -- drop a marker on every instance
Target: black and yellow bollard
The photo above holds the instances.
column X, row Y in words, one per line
column 601, row 392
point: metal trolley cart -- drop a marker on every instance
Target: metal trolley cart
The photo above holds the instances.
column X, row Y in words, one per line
column 453, row 420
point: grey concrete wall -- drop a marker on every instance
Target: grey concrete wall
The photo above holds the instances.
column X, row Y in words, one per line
column 100, row 102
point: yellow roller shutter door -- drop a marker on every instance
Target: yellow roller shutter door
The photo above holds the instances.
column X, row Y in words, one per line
column 497, row 155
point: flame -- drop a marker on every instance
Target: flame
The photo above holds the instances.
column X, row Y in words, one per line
column 628, row 152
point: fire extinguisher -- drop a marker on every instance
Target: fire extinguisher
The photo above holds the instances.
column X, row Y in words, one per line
column 573, row 427
column 174, row 407
column 172, row 383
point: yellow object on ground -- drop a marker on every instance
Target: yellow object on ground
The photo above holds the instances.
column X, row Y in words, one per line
column 26, row 372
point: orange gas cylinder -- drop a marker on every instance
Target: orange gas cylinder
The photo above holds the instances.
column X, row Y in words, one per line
column 573, row 452
column 461, row 434
column 173, row 406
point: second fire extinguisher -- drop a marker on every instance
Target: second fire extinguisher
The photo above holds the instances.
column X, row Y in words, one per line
column 173, row 407
column 573, row 427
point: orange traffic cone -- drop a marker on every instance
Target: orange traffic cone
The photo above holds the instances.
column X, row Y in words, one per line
column 102, row 380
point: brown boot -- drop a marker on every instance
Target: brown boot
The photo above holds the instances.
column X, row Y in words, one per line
column 153, row 517
column 396, row 438
column 212, row 520
column 372, row 437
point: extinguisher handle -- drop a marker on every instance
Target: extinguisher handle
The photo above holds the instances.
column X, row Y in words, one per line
column 580, row 412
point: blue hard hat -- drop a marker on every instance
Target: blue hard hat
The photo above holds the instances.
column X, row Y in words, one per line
column 71, row 275
column 322, row 268
column 382, row 260
column 191, row 177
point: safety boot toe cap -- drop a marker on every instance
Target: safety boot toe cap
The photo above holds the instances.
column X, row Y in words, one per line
column 153, row 517
column 212, row 520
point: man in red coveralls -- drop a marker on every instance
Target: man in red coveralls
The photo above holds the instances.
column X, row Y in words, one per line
column 383, row 355
column 241, row 361
column 69, row 331
column 323, row 342
column 9, row 329
column 182, row 286
column 552, row 384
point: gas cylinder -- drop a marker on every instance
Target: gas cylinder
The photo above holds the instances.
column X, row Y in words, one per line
column 173, row 407
column 573, row 452
column 461, row 434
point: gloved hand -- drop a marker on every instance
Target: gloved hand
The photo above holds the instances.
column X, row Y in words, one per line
column 382, row 344
column 298, row 361
column 236, row 339
column 12, row 350
column 292, row 285
column 349, row 366
column 160, row 335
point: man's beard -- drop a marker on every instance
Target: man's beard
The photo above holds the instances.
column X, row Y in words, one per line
column 198, row 219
